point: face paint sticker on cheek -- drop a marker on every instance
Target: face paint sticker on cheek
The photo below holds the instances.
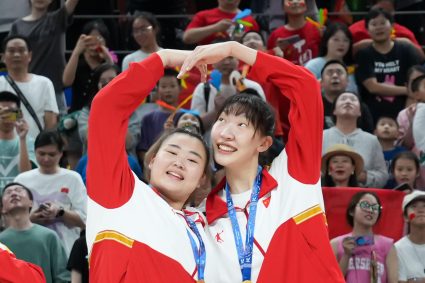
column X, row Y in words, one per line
column 412, row 216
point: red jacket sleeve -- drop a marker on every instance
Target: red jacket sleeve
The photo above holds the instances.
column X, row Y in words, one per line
column 110, row 181
column 304, row 146
column 16, row 270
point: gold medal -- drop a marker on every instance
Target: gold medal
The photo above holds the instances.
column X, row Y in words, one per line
column 200, row 281
column 247, row 281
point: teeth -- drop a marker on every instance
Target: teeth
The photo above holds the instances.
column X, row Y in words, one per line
column 175, row 175
column 226, row 148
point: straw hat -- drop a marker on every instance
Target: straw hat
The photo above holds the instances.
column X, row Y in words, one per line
column 343, row 149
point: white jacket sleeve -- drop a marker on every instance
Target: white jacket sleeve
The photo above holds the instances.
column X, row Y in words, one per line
column 419, row 127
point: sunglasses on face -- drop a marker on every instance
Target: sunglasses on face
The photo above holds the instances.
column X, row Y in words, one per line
column 367, row 206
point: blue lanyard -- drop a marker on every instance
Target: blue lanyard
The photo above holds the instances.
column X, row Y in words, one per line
column 199, row 254
column 245, row 254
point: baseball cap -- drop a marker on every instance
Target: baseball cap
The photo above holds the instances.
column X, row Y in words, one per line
column 409, row 198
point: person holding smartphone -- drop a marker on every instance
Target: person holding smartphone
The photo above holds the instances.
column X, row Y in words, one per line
column 362, row 255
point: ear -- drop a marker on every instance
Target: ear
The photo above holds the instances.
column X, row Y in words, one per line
column 202, row 181
column 267, row 142
column 151, row 163
column 29, row 57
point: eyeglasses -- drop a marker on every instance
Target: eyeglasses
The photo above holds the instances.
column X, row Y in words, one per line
column 142, row 30
column 367, row 206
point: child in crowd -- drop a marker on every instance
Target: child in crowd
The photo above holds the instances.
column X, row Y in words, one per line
column 387, row 132
column 153, row 123
column 298, row 38
column 208, row 25
column 341, row 165
column 404, row 169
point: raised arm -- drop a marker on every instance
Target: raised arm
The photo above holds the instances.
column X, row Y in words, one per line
column 15, row 270
column 304, row 145
column 109, row 178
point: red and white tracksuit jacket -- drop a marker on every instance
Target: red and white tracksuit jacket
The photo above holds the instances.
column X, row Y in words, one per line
column 13, row 270
column 133, row 235
column 291, row 237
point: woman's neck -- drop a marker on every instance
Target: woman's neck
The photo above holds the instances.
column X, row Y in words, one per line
column 383, row 47
column 346, row 125
column 36, row 14
column 295, row 22
column 241, row 179
column 329, row 57
column 343, row 183
column 150, row 47
column 361, row 230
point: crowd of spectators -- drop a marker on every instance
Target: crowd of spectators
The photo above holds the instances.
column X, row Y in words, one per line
column 371, row 73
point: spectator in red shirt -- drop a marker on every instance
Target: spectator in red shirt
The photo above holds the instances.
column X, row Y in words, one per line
column 208, row 25
column 361, row 37
column 298, row 38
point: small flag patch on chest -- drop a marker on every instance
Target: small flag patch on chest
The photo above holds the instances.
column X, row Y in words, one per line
column 266, row 201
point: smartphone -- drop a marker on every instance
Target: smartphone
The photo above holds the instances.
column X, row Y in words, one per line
column 288, row 40
column 364, row 240
column 403, row 187
column 43, row 206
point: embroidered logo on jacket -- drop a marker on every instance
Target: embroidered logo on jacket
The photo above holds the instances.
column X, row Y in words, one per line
column 218, row 237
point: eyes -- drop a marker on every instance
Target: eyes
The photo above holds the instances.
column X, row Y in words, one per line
column 174, row 153
column 238, row 123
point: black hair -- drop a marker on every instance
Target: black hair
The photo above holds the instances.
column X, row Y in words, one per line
column 30, row 195
column 328, row 181
column 330, row 31
column 7, row 96
column 250, row 91
column 255, row 109
column 16, row 36
column 253, row 31
column 152, row 20
column 376, row 12
column 416, row 83
column 405, row 155
column 100, row 26
column 330, row 62
column 386, row 117
column 349, row 213
column 95, row 77
column 335, row 102
column 169, row 72
column 201, row 129
column 153, row 150
column 49, row 137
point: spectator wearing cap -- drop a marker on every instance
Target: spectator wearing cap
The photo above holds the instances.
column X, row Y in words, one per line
column 411, row 248
column 29, row 241
column 341, row 165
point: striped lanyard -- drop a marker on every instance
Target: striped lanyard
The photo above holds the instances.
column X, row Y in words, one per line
column 198, row 254
column 245, row 253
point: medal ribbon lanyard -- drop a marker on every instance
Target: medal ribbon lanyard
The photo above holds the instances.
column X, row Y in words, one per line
column 198, row 254
column 245, row 254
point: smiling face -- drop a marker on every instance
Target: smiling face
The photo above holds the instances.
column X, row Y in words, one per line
column 338, row 45
column 367, row 211
column 143, row 32
column 341, row 167
column 177, row 168
column 405, row 171
column 15, row 197
column 236, row 142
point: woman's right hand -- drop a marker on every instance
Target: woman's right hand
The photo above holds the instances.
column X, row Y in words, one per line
column 348, row 244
